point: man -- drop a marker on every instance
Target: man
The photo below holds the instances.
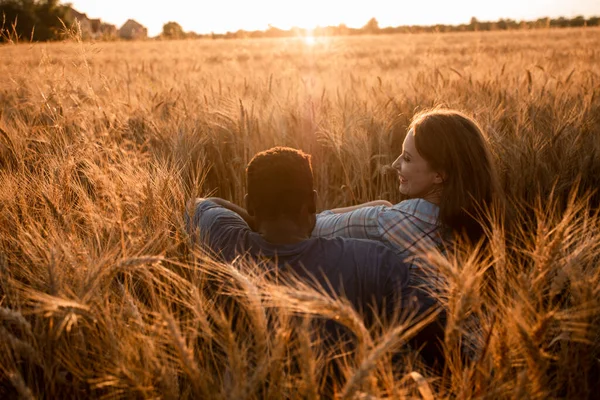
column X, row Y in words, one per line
column 277, row 224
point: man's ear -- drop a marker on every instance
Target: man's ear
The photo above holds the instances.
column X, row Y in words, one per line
column 249, row 205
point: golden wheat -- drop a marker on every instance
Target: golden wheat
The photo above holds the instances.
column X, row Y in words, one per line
column 101, row 145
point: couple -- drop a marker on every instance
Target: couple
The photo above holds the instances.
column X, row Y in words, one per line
column 445, row 170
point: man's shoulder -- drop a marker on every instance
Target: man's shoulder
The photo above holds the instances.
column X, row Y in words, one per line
column 201, row 205
column 199, row 212
column 210, row 209
column 210, row 217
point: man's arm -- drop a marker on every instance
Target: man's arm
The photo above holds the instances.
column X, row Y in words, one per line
column 193, row 203
column 216, row 229
column 342, row 210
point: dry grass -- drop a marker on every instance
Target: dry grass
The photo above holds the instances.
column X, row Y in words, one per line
column 102, row 144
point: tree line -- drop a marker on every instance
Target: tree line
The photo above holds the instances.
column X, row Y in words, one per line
column 372, row 27
column 33, row 20
column 44, row 20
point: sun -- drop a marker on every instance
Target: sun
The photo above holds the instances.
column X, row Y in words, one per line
column 309, row 40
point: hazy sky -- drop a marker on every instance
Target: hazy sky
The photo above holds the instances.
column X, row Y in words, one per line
column 230, row 15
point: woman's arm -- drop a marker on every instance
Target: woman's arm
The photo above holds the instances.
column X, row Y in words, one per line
column 360, row 223
column 342, row 210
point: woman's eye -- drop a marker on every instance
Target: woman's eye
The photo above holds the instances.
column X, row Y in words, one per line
column 406, row 158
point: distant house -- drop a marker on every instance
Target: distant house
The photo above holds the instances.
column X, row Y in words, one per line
column 108, row 31
column 85, row 25
column 102, row 30
column 132, row 30
column 95, row 24
column 91, row 28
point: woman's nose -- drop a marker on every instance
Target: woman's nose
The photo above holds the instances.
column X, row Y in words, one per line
column 397, row 164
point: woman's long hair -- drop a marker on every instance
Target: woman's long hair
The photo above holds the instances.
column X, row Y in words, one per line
column 454, row 144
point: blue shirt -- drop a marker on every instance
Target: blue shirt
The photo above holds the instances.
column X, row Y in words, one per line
column 407, row 228
column 361, row 270
column 410, row 228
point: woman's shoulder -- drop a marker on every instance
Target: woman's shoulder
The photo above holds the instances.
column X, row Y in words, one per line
column 419, row 208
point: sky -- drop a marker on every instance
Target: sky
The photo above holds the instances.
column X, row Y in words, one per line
column 220, row 16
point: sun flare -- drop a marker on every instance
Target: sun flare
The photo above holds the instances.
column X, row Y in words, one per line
column 309, row 40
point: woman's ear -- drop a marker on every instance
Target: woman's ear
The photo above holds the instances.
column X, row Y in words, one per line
column 249, row 205
column 440, row 177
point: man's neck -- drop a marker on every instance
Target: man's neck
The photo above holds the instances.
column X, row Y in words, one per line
column 282, row 231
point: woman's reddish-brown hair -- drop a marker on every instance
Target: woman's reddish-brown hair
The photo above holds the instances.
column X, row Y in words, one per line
column 454, row 144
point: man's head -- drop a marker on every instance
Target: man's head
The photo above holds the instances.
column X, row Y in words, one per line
column 280, row 186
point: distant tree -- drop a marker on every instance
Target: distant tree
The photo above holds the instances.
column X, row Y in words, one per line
column 542, row 23
column 474, row 24
column 31, row 19
column 508, row 23
column 50, row 14
column 342, row 30
column 241, row 34
column 172, row 30
column 273, row 31
column 561, row 22
column 578, row 21
column 484, row 26
column 18, row 14
column 193, row 35
column 372, row 26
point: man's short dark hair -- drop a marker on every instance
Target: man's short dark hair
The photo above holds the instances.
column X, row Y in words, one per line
column 280, row 182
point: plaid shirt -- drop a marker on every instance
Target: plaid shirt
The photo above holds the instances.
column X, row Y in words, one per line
column 408, row 228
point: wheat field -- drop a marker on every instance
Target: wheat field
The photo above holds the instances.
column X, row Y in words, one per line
column 101, row 144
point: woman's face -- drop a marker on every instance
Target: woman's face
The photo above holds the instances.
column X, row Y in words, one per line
column 417, row 179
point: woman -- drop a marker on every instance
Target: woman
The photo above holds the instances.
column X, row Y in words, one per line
column 446, row 172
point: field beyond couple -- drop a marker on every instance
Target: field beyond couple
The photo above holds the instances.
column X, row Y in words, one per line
column 102, row 144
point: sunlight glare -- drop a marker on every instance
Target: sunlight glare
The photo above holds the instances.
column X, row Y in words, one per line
column 309, row 40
